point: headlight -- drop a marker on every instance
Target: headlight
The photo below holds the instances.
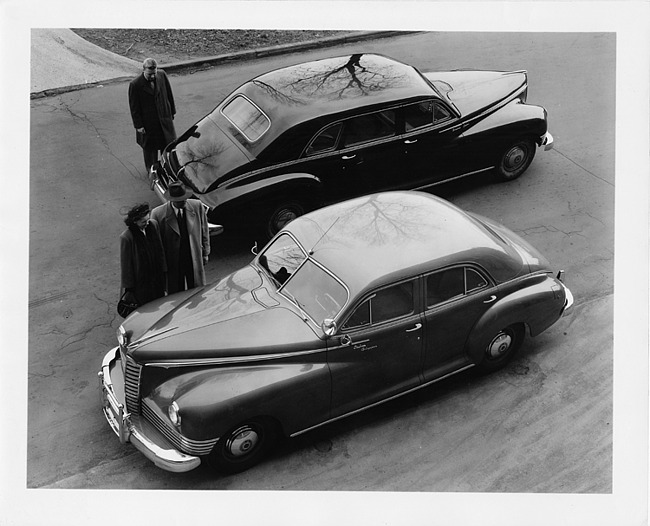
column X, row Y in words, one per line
column 121, row 337
column 174, row 414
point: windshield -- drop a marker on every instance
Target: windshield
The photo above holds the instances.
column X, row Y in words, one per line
column 313, row 289
column 207, row 154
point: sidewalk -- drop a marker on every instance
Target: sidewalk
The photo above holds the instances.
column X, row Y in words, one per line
column 63, row 61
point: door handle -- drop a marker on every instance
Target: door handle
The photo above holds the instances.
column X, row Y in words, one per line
column 417, row 326
column 410, row 141
column 490, row 299
column 348, row 157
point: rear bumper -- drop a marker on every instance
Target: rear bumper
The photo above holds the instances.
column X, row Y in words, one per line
column 132, row 428
column 159, row 190
column 547, row 141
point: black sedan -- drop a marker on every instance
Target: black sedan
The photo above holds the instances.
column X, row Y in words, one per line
column 315, row 133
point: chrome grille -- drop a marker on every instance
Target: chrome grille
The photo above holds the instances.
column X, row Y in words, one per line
column 192, row 447
column 132, row 385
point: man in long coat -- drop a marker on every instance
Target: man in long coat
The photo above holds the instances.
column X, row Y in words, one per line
column 152, row 109
column 183, row 227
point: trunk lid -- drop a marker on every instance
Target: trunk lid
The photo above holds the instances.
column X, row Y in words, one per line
column 473, row 91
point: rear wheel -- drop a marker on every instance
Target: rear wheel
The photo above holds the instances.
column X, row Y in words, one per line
column 501, row 347
column 243, row 446
column 515, row 160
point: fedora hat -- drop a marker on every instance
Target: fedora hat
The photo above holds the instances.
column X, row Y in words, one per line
column 176, row 192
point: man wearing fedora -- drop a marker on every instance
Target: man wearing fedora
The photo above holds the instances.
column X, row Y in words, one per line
column 151, row 102
column 183, row 227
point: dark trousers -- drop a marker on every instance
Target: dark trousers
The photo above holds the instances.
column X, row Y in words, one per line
column 150, row 157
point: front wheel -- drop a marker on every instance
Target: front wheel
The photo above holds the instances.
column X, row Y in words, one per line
column 281, row 215
column 501, row 347
column 243, row 446
column 515, row 160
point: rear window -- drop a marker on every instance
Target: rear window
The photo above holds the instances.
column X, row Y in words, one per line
column 249, row 120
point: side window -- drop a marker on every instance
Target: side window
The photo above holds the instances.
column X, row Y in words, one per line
column 440, row 113
column 325, row 140
column 448, row 284
column 444, row 285
column 418, row 115
column 423, row 114
column 360, row 317
column 474, row 281
column 387, row 304
column 369, row 127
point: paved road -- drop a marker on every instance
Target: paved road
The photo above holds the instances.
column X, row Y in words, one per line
column 542, row 426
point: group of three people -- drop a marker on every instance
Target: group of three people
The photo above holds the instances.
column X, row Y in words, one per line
column 163, row 250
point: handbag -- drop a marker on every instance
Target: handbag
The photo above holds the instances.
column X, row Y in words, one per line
column 124, row 308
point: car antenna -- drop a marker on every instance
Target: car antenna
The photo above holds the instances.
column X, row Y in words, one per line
column 311, row 252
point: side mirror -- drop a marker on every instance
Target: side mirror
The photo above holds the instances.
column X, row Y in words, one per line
column 329, row 327
column 254, row 249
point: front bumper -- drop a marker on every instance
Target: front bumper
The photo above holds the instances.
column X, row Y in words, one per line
column 159, row 190
column 134, row 428
column 547, row 141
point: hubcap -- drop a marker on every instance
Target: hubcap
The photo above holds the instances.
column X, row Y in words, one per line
column 284, row 217
column 242, row 441
column 514, row 158
column 499, row 345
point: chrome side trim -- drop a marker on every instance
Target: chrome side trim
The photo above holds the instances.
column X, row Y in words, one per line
column 232, row 360
column 382, row 401
column 444, row 181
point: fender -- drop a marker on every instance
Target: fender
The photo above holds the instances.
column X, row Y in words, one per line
column 213, row 400
column 537, row 306
column 520, row 120
column 257, row 187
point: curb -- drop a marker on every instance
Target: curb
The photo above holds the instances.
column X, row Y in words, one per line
column 209, row 62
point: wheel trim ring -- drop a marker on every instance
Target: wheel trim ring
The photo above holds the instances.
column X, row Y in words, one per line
column 515, row 158
column 499, row 345
column 242, row 442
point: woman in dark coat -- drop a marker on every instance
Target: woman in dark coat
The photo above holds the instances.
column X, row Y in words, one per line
column 142, row 257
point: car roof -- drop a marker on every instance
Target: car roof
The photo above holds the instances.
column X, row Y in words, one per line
column 309, row 90
column 381, row 238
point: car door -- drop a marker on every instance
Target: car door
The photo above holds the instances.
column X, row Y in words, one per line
column 378, row 351
column 431, row 144
column 367, row 155
column 455, row 298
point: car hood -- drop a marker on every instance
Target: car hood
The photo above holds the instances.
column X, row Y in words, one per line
column 238, row 316
column 473, row 91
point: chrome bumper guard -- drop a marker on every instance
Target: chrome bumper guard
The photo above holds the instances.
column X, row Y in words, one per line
column 159, row 190
column 134, row 429
column 547, row 141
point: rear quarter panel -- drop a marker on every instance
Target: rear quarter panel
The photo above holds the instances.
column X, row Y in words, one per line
column 535, row 300
column 489, row 136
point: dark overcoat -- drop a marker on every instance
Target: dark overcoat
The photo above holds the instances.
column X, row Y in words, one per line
column 143, row 270
column 153, row 109
column 197, row 228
